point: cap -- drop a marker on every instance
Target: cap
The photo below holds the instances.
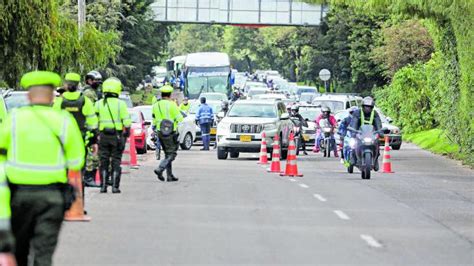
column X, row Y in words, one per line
column 38, row 78
column 166, row 89
column 74, row 77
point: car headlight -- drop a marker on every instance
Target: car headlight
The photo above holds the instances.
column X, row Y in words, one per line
column 268, row 127
column 223, row 127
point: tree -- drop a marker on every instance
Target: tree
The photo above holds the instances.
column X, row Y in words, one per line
column 196, row 38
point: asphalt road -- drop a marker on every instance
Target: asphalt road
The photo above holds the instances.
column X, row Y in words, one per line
column 233, row 212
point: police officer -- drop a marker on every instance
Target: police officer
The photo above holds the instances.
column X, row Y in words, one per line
column 368, row 116
column 114, row 126
column 6, row 237
column 39, row 144
column 184, row 106
column 166, row 117
column 205, row 117
column 92, row 91
column 83, row 111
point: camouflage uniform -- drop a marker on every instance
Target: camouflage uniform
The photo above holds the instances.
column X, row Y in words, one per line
column 92, row 161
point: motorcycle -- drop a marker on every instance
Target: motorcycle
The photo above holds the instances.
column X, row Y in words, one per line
column 327, row 143
column 364, row 148
column 297, row 133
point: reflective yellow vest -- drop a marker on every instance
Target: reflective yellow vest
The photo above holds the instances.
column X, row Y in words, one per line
column 166, row 109
column 5, row 211
column 184, row 108
column 119, row 111
column 31, row 137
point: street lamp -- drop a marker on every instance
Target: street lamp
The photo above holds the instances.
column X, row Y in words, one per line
column 81, row 15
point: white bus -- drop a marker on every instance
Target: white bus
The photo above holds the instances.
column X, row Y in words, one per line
column 207, row 72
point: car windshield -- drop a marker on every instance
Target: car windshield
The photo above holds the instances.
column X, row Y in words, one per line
column 333, row 105
column 207, row 79
column 253, row 110
column 303, row 90
column 16, row 100
column 127, row 100
column 216, row 107
column 256, row 92
column 310, row 113
column 147, row 112
column 134, row 116
column 214, row 96
column 307, row 97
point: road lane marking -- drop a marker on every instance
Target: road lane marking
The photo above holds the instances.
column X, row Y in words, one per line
column 342, row 215
column 371, row 241
column 319, row 197
column 303, row 185
column 292, row 180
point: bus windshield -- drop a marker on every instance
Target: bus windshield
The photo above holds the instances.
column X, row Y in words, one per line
column 207, row 79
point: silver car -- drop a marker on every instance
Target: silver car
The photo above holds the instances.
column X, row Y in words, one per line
column 241, row 129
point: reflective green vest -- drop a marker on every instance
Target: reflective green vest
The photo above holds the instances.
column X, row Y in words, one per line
column 5, row 211
column 367, row 122
column 166, row 109
column 118, row 109
column 185, row 108
column 81, row 107
column 31, row 137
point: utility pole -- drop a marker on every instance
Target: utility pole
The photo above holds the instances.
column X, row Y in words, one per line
column 81, row 15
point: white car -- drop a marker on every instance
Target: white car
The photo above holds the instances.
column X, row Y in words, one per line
column 336, row 102
column 214, row 96
column 310, row 113
column 186, row 129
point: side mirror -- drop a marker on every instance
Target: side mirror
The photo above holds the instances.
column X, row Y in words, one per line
column 147, row 123
column 285, row 116
column 390, row 120
column 220, row 115
column 385, row 130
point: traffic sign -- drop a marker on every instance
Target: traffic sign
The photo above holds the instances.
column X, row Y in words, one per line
column 324, row 74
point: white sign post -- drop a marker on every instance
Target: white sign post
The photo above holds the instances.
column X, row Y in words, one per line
column 325, row 75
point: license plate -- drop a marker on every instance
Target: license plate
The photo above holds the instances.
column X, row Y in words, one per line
column 213, row 131
column 245, row 138
column 306, row 137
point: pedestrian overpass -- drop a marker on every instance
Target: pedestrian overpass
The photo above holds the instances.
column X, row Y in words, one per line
column 255, row 13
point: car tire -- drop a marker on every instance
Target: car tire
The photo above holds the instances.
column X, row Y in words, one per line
column 221, row 154
column 234, row 154
column 187, row 142
column 396, row 147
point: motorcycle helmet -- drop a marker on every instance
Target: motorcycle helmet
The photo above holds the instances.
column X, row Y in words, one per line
column 112, row 85
column 94, row 75
column 326, row 111
column 352, row 110
column 225, row 105
column 295, row 108
column 368, row 104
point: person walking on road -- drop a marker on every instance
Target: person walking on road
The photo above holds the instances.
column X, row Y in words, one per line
column 83, row 111
column 205, row 118
column 184, row 106
column 166, row 116
column 7, row 242
column 38, row 145
column 114, row 127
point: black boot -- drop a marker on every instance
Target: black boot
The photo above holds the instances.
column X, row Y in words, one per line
column 89, row 179
column 169, row 174
column 103, row 180
column 116, row 175
column 159, row 172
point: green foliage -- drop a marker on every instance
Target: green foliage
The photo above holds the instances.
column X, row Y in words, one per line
column 405, row 43
column 434, row 140
column 191, row 38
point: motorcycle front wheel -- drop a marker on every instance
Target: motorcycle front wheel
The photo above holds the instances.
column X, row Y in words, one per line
column 367, row 167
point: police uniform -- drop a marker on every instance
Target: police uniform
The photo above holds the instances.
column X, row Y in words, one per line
column 205, row 117
column 83, row 111
column 167, row 109
column 185, row 107
column 38, row 145
column 6, row 238
column 114, row 127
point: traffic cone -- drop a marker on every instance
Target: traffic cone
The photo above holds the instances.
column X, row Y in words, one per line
column 386, row 162
column 291, row 166
column 133, row 151
column 76, row 212
column 125, row 163
column 263, row 151
column 275, row 166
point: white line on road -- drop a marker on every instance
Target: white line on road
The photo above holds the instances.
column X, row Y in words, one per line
column 292, row 180
column 342, row 215
column 303, row 185
column 319, row 197
column 371, row 241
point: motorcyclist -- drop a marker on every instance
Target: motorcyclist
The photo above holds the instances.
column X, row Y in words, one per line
column 300, row 123
column 225, row 107
column 235, row 95
column 345, row 134
column 368, row 116
column 326, row 114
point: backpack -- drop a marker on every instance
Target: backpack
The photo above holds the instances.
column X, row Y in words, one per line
column 75, row 108
column 166, row 125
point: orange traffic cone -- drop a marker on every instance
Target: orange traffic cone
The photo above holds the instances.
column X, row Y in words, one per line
column 263, row 151
column 291, row 166
column 386, row 162
column 275, row 166
column 76, row 212
column 133, row 151
column 125, row 163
